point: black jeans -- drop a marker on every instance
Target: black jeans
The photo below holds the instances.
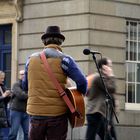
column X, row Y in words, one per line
column 96, row 125
column 51, row 128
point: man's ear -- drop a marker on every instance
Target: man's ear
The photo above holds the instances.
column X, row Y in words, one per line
column 43, row 41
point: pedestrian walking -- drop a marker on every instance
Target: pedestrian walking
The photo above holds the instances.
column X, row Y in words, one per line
column 96, row 105
column 18, row 115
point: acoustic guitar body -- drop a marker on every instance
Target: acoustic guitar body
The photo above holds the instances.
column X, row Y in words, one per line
column 77, row 100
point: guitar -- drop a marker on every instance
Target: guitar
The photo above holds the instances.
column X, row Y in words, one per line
column 76, row 119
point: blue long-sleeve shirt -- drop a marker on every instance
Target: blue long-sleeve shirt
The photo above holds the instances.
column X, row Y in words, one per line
column 70, row 69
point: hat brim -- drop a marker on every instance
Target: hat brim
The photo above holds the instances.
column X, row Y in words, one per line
column 44, row 36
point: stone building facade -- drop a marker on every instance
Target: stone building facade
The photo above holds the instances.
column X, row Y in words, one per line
column 100, row 25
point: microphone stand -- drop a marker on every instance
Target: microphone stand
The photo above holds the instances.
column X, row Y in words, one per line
column 108, row 101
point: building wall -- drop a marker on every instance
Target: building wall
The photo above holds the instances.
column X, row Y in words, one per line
column 96, row 24
column 71, row 16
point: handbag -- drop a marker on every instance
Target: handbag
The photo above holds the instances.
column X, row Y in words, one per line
column 4, row 122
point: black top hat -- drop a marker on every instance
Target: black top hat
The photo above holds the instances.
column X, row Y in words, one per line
column 53, row 31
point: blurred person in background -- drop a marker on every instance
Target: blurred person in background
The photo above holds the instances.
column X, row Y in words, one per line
column 18, row 116
column 96, row 105
column 5, row 96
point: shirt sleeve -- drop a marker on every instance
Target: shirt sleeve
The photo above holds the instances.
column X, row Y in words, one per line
column 72, row 71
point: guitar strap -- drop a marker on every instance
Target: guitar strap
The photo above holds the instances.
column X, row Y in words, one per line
column 56, row 83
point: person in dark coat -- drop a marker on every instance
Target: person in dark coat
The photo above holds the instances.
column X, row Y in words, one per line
column 96, row 106
column 5, row 96
column 18, row 115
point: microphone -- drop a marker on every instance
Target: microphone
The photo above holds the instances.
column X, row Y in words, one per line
column 87, row 52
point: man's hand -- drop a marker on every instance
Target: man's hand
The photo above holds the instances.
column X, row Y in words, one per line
column 6, row 93
column 107, row 70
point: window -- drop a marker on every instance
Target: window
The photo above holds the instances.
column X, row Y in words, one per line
column 5, row 52
column 133, row 62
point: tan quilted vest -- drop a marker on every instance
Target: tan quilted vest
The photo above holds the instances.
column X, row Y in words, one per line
column 44, row 99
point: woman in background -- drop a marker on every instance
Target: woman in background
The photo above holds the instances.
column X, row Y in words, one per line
column 5, row 96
